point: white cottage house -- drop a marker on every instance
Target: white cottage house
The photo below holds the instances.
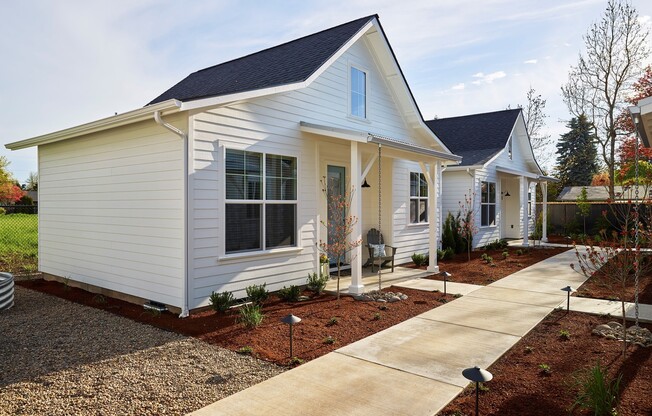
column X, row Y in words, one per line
column 215, row 184
column 499, row 173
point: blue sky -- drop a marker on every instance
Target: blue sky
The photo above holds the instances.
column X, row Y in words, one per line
column 67, row 63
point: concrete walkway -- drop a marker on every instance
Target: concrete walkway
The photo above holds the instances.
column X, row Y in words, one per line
column 415, row 367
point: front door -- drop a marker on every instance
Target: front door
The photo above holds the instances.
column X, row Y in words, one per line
column 336, row 183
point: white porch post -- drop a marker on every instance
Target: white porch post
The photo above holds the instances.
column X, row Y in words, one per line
column 544, row 212
column 356, row 210
column 525, row 215
column 433, row 218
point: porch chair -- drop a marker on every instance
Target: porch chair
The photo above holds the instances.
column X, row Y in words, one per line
column 379, row 252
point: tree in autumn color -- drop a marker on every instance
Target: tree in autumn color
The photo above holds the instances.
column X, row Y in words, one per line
column 642, row 88
column 9, row 191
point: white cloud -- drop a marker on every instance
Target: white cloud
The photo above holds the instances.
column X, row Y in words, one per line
column 488, row 78
column 530, row 61
column 459, row 86
column 645, row 20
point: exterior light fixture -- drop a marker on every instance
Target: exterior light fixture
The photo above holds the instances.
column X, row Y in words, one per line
column 446, row 276
column 365, row 184
column 291, row 320
column 568, row 290
column 506, row 194
column 478, row 375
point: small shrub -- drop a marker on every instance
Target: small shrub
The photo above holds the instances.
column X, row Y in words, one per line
column 496, row 245
column 519, row 252
column 445, row 254
column 564, row 334
column 333, row 321
column 595, row 391
column 505, row 254
column 251, row 316
column 317, row 284
column 377, row 316
column 483, row 387
column 2, row 211
column 290, row 294
column 418, row 259
column 257, row 293
column 221, row 302
column 443, row 300
column 545, row 369
column 487, row 258
column 329, row 340
column 296, row 361
column 246, row 350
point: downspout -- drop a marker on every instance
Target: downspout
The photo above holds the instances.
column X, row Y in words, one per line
column 184, row 136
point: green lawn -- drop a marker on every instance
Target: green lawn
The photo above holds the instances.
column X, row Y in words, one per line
column 18, row 243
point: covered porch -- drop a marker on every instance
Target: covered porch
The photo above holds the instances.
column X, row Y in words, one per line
column 355, row 158
column 370, row 279
column 517, row 195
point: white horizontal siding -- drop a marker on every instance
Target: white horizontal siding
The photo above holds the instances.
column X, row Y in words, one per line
column 111, row 210
column 271, row 124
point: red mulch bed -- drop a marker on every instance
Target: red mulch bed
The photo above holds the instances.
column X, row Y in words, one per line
column 519, row 388
column 270, row 341
column 479, row 272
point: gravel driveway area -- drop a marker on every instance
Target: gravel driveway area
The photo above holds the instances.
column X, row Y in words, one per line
column 61, row 358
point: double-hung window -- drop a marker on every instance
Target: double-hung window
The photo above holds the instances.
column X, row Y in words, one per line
column 488, row 204
column 261, row 201
column 358, row 93
column 418, row 198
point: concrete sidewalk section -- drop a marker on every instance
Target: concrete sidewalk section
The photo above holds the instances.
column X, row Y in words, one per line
column 415, row 367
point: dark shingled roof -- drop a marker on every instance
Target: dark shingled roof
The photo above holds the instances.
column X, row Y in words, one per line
column 291, row 62
column 477, row 137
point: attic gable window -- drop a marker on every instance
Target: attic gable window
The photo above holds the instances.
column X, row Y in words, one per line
column 261, row 201
column 358, row 92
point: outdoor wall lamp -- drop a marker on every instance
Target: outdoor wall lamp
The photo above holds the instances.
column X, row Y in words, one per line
column 365, row 184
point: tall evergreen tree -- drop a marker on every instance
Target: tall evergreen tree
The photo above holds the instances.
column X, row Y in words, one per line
column 576, row 154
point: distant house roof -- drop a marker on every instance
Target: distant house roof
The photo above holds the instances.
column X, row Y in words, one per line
column 599, row 193
column 288, row 63
column 476, row 137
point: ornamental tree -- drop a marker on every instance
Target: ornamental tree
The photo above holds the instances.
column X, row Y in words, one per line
column 467, row 227
column 339, row 226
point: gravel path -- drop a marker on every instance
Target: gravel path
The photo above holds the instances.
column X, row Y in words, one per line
column 61, row 358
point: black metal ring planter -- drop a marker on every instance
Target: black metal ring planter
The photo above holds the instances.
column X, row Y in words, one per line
column 6, row 291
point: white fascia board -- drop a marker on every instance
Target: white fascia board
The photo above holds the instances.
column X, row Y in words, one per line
column 517, row 172
column 463, row 168
column 357, row 136
column 543, row 178
column 134, row 116
column 247, row 95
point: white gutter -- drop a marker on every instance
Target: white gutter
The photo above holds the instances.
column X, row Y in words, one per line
column 134, row 116
column 186, row 151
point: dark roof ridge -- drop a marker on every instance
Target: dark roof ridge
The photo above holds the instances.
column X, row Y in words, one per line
column 285, row 43
column 477, row 114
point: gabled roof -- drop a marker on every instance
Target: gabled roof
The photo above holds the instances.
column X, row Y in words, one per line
column 288, row 63
column 477, row 137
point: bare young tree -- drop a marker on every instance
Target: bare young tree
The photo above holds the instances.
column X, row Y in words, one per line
column 535, row 121
column 600, row 82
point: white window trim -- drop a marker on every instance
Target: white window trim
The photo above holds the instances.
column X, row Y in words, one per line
column 410, row 198
column 223, row 256
column 495, row 204
column 367, row 73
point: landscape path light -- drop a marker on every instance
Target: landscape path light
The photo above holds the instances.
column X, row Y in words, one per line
column 291, row 320
column 446, row 276
column 568, row 290
column 478, row 375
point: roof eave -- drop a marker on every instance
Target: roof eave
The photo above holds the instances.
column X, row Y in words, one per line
column 130, row 117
